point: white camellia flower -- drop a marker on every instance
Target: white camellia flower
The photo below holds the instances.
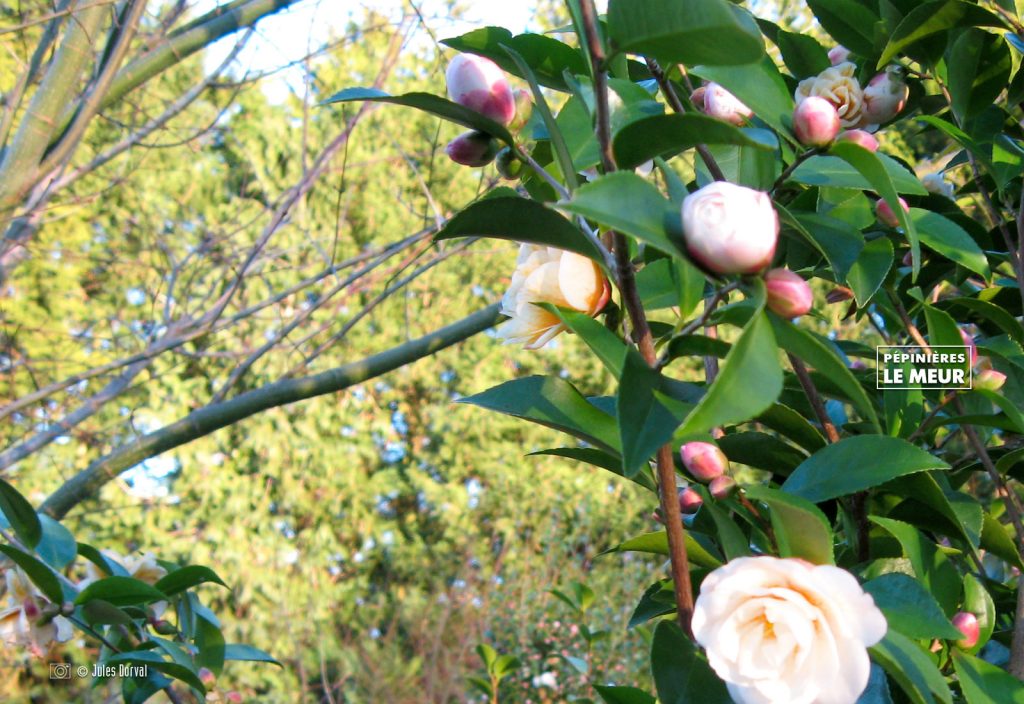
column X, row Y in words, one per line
column 730, row 229
column 937, row 184
column 19, row 622
column 839, row 86
column 784, row 631
column 549, row 275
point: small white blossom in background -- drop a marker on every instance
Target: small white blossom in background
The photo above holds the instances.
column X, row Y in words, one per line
column 785, row 631
column 19, row 621
column 937, row 184
column 546, row 679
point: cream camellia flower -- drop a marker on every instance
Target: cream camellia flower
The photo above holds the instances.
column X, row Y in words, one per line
column 549, row 275
column 784, row 631
column 730, row 229
column 20, row 622
column 839, row 86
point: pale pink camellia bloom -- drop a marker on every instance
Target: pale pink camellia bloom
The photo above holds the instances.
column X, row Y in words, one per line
column 730, row 229
column 477, row 83
column 703, row 460
column 862, row 138
column 815, row 122
column 472, row 149
column 786, row 631
column 19, row 622
column 549, row 275
column 838, row 55
column 788, row 294
column 937, row 184
column 887, row 215
column 689, row 501
column 967, row 623
column 721, row 104
column 989, row 380
column 839, row 86
column 884, row 96
column 969, row 344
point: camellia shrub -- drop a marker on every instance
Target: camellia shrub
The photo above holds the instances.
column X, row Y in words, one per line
column 696, row 187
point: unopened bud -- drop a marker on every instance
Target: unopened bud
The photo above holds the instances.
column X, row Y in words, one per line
column 477, row 83
column 164, row 628
column 816, row 122
column 886, row 215
column 721, row 104
column 233, row 697
column 967, row 623
column 472, row 149
column 704, row 461
column 990, row 380
column 656, row 517
column 838, row 295
column 838, row 54
column 524, row 108
column 860, row 137
column 788, row 294
column 722, row 487
column 508, row 164
column 31, row 609
column 207, row 677
column 969, row 343
column 689, row 501
column 884, row 96
column 697, row 97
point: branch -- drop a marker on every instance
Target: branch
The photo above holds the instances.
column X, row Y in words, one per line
column 211, row 418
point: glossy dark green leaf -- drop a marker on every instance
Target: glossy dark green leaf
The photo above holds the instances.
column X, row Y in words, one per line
column 187, row 577
column 950, row 240
column 912, row 669
column 840, row 242
column 41, row 574
column 761, row 450
column 755, row 168
column 210, row 642
column 121, row 591
column 554, row 402
column 802, row 54
column 681, row 672
column 240, row 651
column 984, row 310
column 600, row 459
column 800, row 527
column 824, row 170
column 869, row 271
column 855, row 464
column 152, row 660
column 671, row 283
column 656, row 543
column 909, row 608
column 961, row 510
column 624, row 695
column 576, row 128
column 699, row 31
column 933, row 17
column 99, row 613
column 932, row 568
column 646, row 418
column 20, row 515
column 107, row 566
column 788, row 423
column 979, row 69
column 427, row 102
column 996, row 538
column 520, row 220
column 984, row 683
column 849, row 22
column 761, row 88
column 668, row 135
column 548, row 57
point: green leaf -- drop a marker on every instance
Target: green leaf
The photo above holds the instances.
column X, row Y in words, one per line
column 625, row 202
column 912, row 669
column 855, row 464
column 810, row 349
column 761, row 450
column 801, row 529
column 1013, row 413
column 624, row 695
column 933, row 17
column 869, row 271
column 210, row 642
column 657, row 543
column 519, row 220
column 242, row 652
column 734, row 543
column 961, row 510
column 950, row 240
column 979, row 69
column 99, row 613
column 988, row 312
column 121, row 591
column 671, row 283
column 984, row 683
column 187, row 577
column 427, row 102
column 20, row 515
column 154, row 661
column 787, row 422
column 754, row 168
column 693, row 32
column 658, row 599
column 849, row 22
column 108, row 566
column 554, row 402
column 681, row 672
column 930, row 565
column 996, row 539
column 646, row 418
column 802, row 54
column 57, row 546
column 978, row 602
column 761, row 88
column 547, row 57
column 909, row 608
column 41, row 575
column 840, row 242
column 669, row 135
column 748, row 382
column 600, row 459
column 832, row 171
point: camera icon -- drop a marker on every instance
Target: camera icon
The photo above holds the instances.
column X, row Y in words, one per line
column 60, row 671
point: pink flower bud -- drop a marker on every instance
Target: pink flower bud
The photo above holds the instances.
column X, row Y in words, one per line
column 721, row 104
column 989, row 380
column 884, row 96
column 524, row 108
column 788, row 294
column 704, row 460
column 207, row 677
column 730, row 229
column 864, row 139
column 838, row 295
column 31, row 609
column 478, row 84
column 233, row 697
column 838, row 54
column 886, row 215
column 689, row 501
column 969, row 343
column 472, row 149
column 967, row 623
column 697, row 97
column 722, row 487
column 656, row 517
column 816, row 122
